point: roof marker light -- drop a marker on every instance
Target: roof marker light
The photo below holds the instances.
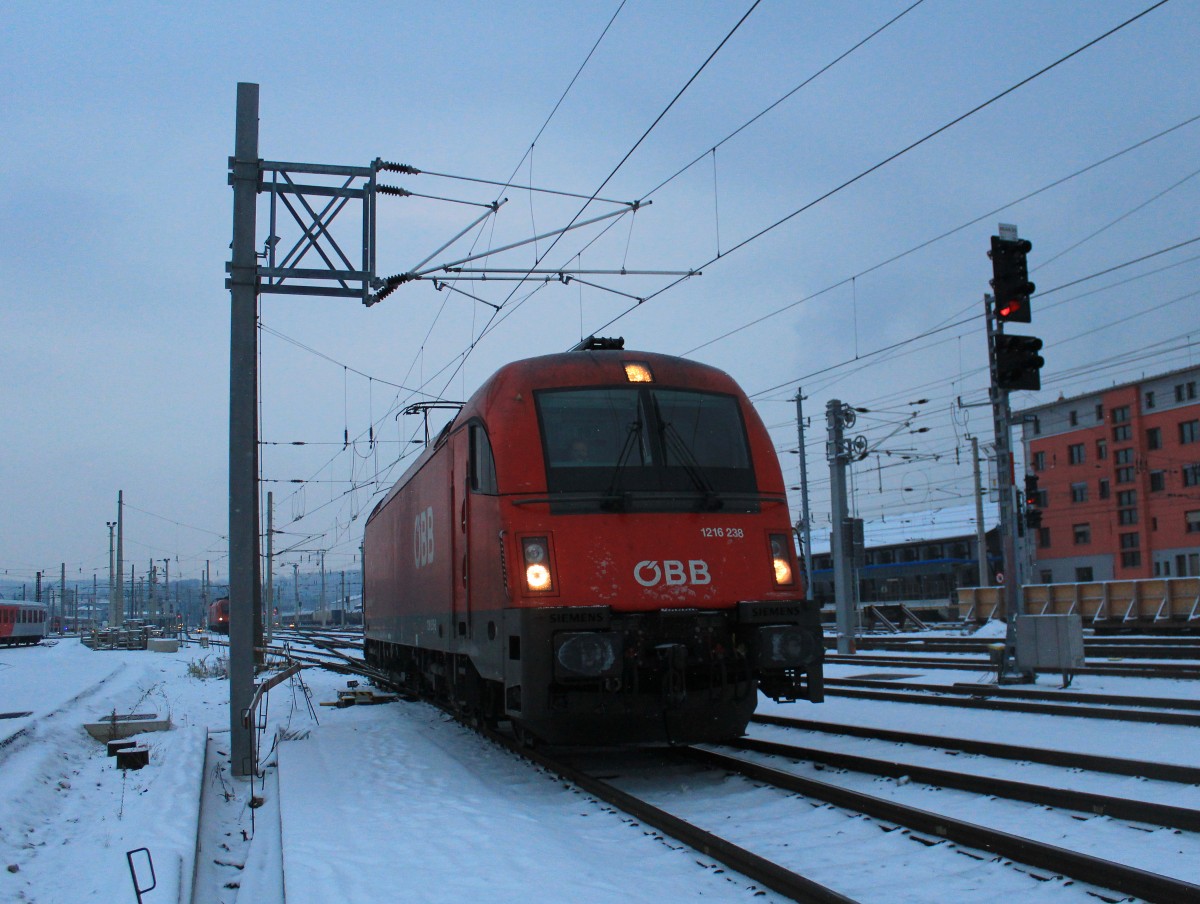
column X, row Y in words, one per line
column 638, row 372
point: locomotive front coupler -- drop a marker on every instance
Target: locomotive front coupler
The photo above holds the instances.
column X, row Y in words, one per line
column 674, row 657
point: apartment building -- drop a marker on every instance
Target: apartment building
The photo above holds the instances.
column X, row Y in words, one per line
column 1118, row 481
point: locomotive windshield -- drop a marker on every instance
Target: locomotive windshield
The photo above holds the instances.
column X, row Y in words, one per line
column 645, row 449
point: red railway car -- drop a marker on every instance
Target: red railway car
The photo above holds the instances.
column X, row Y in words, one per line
column 21, row 622
column 218, row 616
column 598, row 549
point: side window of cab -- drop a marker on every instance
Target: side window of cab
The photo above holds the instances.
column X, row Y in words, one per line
column 483, row 465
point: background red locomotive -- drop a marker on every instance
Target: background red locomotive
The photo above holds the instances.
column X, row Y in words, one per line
column 21, row 622
column 218, row 616
column 598, row 549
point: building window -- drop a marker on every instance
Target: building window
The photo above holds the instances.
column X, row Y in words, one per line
column 1162, row 569
column 1103, row 488
column 1127, row 498
column 1083, row 534
column 1039, row 461
column 1101, row 449
column 1129, row 541
column 1150, row 399
column 1099, row 412
column 1122, row 434
column 1083, row 574
column 1158, row 481
column 1079, row 492
column 1120, row 415
column 1192, row 520
column 1043, row 538
column 1123, row 456
column 1047, row 576
column 1189, row 432
column 1191, row 476
column 1127, row 516
column 1041, row 499
column 1073, row 417
column 1124, row 475
column 1131, row 559
column 1185, row 391
column 1154, row 438
column 1076, row 455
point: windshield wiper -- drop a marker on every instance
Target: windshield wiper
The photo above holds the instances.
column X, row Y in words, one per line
column 674, row 442
column 612, row 499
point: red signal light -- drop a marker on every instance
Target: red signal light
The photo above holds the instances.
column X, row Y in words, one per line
column 1008, row 310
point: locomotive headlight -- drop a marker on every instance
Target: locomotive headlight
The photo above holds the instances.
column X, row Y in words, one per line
column 781, row 560
column 785, row 646
column 537, row 564
column 587, row 654
column 537, row 577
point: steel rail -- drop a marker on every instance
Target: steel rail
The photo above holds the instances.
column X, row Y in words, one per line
column 1083, row 867
column 758, row 869
column 1081, row 801
column 1167, row 772
column 1077, row 710
column 1170, row 670
column 991, row 690
column 1092, row 649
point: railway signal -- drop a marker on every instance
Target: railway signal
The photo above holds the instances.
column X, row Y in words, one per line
column 1018, row 363
column 1033, row 514
column 1010, row 279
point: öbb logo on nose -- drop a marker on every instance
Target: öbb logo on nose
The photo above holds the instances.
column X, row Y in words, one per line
column 423, row 538
column 671, row 572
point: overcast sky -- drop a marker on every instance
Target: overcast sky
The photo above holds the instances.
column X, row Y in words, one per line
column 114, row 320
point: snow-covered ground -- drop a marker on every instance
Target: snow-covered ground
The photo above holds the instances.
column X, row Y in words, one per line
column 397, row 803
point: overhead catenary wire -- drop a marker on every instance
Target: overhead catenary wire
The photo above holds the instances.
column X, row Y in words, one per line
column 892, row 157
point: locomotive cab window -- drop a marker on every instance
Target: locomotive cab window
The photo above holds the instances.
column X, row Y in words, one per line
column 646, row 448
column 483, row 464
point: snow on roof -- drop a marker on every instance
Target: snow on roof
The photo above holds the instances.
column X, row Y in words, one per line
column 907, row 527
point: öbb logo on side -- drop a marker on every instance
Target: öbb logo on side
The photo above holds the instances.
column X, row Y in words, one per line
column 423, row 538
column 671, row 572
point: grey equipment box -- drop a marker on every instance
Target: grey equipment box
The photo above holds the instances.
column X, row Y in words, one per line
column 1052, row 643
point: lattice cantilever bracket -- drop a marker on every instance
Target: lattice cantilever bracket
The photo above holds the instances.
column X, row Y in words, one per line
column 302, row 214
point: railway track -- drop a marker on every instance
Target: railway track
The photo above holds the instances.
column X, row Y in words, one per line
column 1139, row 670
column 934, row 695
column 1094, row 647
column 1026, row 854
column 1039, row 855
column 1169, row 772
column 1020, row 693
column 931, row 828
column 1080, row 801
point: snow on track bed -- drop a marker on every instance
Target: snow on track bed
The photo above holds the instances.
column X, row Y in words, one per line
column 397, row 802
column 68, row 815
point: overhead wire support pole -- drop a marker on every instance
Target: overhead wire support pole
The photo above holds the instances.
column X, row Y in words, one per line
column 838, row 417
column 245, row 176
column 805, row 515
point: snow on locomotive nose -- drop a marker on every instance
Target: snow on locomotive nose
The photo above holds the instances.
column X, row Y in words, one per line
column 596, row 548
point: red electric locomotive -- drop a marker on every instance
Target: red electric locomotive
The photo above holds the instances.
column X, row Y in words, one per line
column 218, row 616
column 598, row 549
column 21, row 622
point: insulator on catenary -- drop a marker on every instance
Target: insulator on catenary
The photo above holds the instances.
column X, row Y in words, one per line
column 393, row 190
column 388, row 167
